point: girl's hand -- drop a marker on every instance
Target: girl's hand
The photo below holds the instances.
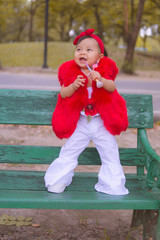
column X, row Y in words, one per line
column 95, row 75
column 80, row 80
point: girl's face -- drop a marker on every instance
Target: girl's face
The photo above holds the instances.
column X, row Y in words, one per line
column 87, row 51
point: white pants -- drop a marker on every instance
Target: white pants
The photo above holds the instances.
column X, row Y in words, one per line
column 111, row 179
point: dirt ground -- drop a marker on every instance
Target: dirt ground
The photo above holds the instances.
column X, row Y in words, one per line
column 68, row 224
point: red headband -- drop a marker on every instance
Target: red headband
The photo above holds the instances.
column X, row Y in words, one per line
column 89, row 32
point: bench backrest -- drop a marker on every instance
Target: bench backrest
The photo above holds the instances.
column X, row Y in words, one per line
column 35, row 107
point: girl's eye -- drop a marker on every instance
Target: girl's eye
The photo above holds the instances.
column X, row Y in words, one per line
column 89, row 49
column 78, row 49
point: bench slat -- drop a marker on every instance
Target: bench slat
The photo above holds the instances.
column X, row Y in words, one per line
column 140, row 110
column 79, row 195
column 27, row 106
column 34, row 180
column 45, row 155
column 35, row 107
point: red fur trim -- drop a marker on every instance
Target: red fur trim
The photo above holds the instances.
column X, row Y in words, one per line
column 68, row 72
column 107, row 68
column 111, row 106
column 114, row 114
column 63, row 120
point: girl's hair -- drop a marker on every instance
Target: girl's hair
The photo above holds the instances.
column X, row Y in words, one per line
column 87, row 36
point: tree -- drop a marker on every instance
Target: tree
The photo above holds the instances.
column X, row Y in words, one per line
column 14, row 20
column 106, row 18
column 32, row 8
column 63, row 14
column 18, row 18
column 98, row 10
column 157, row 3
column 132, row 34
column 156, row 26
column 2, row 19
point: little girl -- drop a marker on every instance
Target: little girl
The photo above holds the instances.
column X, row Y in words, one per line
column 88, row 108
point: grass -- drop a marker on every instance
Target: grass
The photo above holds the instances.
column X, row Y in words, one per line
column 26, row 54
column 31, row 54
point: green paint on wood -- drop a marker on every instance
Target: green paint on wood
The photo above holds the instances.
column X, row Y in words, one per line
column 25, row 189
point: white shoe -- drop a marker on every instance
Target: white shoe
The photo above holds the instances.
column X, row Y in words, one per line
column 57, row 188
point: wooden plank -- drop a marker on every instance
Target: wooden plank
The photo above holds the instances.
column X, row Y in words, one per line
column 79, row 195
column 30, row 107
column 45, row 155
column 140, row 110
column 35, row 107
column 22, row 180
column 34, row 180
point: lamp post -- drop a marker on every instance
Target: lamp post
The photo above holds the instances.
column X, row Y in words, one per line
column 46, row 35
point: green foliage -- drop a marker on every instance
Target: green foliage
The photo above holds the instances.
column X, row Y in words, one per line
column 14, row 17
column 21, row 18
column 62, row 16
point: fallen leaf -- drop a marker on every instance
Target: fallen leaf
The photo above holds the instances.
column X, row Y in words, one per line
column 35, row 225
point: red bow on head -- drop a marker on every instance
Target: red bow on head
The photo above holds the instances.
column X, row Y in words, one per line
column 89, row 32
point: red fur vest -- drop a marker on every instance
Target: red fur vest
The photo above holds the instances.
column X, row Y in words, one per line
column 111, row 106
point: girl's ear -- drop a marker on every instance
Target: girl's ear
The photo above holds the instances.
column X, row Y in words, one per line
column 100, row 56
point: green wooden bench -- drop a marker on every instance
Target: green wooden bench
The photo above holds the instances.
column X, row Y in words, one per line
column 25, row 189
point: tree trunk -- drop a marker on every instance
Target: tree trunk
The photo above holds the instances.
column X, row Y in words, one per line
column 149, row 220
column 98, row 20
column 125, row 21
column 61, row 32
column 131, row 40
column 32, row 11
column 1, row 66
column 144, row 39
column 20, row 30
column 31, row 27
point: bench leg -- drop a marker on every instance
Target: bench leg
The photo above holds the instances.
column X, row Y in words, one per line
column 158, row 226
column 137, row 218
column 150, row 219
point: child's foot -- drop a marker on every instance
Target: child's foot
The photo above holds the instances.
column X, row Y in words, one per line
column 57, row 188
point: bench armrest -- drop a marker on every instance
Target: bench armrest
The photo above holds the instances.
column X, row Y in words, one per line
column 152, row 159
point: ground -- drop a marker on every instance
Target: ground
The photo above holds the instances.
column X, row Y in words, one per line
column 68, row 224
